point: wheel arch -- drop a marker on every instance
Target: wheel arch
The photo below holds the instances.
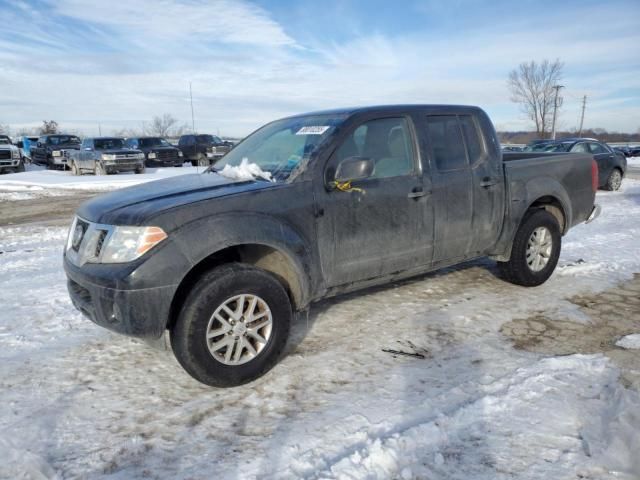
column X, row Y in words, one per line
column 277, row 261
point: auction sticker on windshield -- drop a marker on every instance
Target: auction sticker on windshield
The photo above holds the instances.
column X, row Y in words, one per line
column 312, row 130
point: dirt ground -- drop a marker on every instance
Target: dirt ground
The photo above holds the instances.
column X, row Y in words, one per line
column 50, row 209
column 611, row 314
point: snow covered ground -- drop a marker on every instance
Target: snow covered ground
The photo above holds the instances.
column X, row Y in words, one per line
column 79, row 402
column 38, row 182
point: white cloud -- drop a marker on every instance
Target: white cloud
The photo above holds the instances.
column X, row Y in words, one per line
column 131, row 62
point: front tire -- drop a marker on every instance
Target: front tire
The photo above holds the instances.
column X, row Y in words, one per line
column 233, row 326
column 535, row 251
column 614, row 181
column 203, row 161
column 100, row 170
column 140, row 170
column 74, row 169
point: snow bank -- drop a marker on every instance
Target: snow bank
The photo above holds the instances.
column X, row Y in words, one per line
column 41, row 182
column 630, row 342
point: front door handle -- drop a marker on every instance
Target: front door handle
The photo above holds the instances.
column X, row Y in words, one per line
column 488, row 182
column 417, row 193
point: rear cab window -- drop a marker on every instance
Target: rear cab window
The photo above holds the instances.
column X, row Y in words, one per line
column 444, row 136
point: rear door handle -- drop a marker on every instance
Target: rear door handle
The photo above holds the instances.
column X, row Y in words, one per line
column 488, row 182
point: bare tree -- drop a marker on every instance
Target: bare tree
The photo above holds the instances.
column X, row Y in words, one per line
column 531, row 86
column 5, row 129
column 161, row 126
column 49, row 126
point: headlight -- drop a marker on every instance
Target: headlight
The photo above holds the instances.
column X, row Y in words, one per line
column 15, row 154
column 56, row 153
column 108, row 156
column 180, row 153
column 213, row 149
column 128, row 243
column 140, row 156
column 152, row 155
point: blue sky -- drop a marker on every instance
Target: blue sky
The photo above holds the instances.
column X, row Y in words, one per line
column 118, row 64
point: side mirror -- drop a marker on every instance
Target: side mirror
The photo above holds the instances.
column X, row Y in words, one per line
column 354, row 168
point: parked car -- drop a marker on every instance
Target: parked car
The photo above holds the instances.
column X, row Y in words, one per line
column 158, row 152
column 203, row 149
column 312, row 206
column 612, row 165
column 10, row 159
column 626, row 151
column 105, row 155
column 634, row 151
column 50, row 150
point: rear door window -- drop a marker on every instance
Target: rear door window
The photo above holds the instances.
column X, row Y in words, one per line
column 580, row 148
column 445, row 138
column 471, row 138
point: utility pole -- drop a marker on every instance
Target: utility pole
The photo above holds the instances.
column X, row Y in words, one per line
column 99, row 130
column 555, row 110
column 584, row 104
column 193, row 121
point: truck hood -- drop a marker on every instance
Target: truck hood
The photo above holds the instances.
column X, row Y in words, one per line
column 135, row 205
column 8, row 147
column 119, row 151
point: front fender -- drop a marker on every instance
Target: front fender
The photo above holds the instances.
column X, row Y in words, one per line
column 204, row 237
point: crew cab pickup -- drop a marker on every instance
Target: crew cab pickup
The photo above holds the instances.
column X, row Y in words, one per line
column 203, row 149
column 50, row 150
column 10, row 158
column 105, row 155
column 158, row 152
column 312, row 206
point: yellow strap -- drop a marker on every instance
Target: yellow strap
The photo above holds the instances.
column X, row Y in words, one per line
column 346, row 187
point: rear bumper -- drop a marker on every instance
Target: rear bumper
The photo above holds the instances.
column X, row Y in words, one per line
column 595, row 213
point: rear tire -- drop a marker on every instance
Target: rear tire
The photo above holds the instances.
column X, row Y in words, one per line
column 198, row 332
column 614, row 181
column 535, row 251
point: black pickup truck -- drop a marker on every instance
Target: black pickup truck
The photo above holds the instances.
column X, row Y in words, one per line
column 158, row 152
column 312, row 206
column 50, row 150
column 203, row 149
column 105, row 155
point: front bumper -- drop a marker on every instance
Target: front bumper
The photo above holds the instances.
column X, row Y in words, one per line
column 595, row 213
column 154, row 162
column 141, row 313
column 10, row 163
column 119, row 166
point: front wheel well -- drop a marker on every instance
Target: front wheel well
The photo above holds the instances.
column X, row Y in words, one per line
column 262, row 256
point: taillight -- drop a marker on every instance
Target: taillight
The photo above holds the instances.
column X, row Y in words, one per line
column 594, row 176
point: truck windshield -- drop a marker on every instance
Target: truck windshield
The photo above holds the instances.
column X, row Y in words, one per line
column 154, row 142
column 108, row 143
column 61, row 139
column 282, row 148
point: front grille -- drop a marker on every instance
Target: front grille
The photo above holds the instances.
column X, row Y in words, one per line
column 5, row 154
column 167, row 155
column 126, row 156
